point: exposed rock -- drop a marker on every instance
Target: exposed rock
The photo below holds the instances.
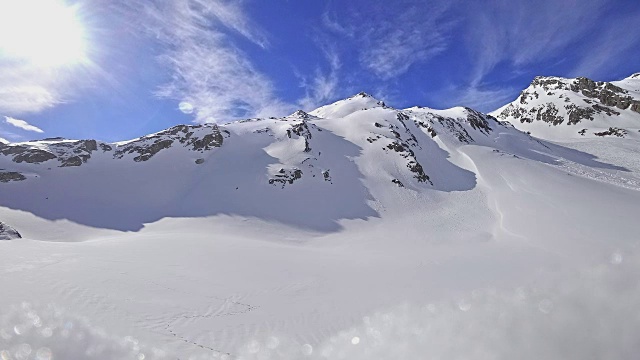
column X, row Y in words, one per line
column 302, row 129
column 577, row 114
column 285, row 177
column 7, row 176
column 105, row 147
column 26, row 154
column 196, row 137
column 397, row 182
column 612, row 131
column 200, row 161
column 72, row 161
column 327, row 176
column 478, row 121
column 8, row 233
column 601, row 97
column 413, row 165
column 549, row 114
column 300, row 115
column 146, row 151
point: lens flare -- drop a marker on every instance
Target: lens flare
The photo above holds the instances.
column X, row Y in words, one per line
column 47, row 33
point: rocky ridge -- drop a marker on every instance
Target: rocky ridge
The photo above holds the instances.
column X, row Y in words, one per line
column 8, row 233
column 580, row 102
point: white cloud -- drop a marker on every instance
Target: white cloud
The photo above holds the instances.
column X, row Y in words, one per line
column 208, row 71
column 330, row 21
column 22, row 124
column 28, row 89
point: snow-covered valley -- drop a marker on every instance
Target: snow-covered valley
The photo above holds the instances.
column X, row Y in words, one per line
column 353, row 231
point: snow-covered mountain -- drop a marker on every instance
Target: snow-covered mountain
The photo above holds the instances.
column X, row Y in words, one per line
column 323, row 166
column 558, row 109
column 353, row 231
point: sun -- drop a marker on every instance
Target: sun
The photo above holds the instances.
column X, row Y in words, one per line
column 43, row 32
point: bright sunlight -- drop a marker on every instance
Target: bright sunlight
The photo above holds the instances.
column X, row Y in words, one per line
column 47, row 33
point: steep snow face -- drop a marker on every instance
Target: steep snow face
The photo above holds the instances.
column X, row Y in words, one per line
column 557, row 108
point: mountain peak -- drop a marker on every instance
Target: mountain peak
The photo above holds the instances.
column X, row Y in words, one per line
column 363, row 94
column 300, row 114
column 345, row 107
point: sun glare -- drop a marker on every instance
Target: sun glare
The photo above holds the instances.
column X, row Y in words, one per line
column 43, row 32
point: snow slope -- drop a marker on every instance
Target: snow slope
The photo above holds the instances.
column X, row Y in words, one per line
column 556, row 108
column 354, row 231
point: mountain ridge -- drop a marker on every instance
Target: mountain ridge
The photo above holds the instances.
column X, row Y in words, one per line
column 576, row 107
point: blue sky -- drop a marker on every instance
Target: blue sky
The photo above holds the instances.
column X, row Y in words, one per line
column 147, row 65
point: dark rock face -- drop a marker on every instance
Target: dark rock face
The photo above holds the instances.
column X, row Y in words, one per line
column 145, row 151
column 300, row 115
column 8, row 233
column 284, row 177
column 577, row 114
column 148, row 146
column 302, row 129
column 549, row 114
column 74, row 153
column 7, row 176
column 612, row 131
column 26, row 154
column 478, row 121
column 68, row 153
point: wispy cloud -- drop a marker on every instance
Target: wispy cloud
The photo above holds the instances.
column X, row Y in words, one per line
column 609, row 48
column 330, row 22
column 22, row 124
column 520, row 33
column 482, row 98
column 324, row 86
column 208, row 71
column 390, row 39
column 395, row 43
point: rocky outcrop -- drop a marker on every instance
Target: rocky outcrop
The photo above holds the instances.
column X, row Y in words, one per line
column 8, row 233
column 8, row 176
column 612, row 131
column 284, row 177
column 28, row 154
column 559, row 101
column 194, row 137
column 68, row 153
column 302, row 130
